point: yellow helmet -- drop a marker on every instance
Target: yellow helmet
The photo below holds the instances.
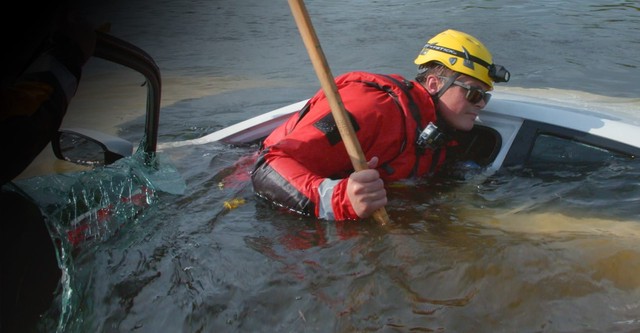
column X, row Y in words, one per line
column 464, row 54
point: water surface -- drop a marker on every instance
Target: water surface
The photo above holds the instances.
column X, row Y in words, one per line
column 515, row 252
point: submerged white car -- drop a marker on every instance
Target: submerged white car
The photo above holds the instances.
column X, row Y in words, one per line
column 510, row 131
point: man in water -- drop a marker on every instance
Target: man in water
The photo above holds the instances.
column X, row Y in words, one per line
column 404, row 128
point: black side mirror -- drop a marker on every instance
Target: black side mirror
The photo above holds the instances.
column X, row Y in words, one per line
column 87, row 147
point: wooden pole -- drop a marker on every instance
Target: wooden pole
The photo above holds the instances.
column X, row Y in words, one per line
column 328, row 84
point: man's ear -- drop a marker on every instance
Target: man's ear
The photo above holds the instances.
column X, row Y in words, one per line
column 432, row 84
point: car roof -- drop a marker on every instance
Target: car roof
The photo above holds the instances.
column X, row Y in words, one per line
column 599, row 123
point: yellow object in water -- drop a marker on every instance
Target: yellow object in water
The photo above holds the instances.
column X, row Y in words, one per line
column 234, row 203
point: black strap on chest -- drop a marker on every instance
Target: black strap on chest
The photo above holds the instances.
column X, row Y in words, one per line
column 405, row 86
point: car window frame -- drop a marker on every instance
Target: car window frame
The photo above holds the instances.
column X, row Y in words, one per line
column 467, row 143
column 520, row 151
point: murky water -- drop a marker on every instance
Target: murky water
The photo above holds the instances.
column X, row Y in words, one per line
column 515, row 252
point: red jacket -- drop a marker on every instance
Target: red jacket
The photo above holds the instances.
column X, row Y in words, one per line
column 304, row 165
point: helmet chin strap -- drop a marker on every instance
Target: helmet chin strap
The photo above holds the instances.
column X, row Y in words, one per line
column 441, row 125
column 446, row 85
column 436, row 100
column 435, row 135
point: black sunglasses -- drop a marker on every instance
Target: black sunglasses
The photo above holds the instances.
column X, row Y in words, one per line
column 474, row 94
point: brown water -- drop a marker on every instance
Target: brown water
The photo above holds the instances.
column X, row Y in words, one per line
column 518, row 252
column 480, row 257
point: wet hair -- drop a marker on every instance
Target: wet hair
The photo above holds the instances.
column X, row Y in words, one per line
column 432, row 68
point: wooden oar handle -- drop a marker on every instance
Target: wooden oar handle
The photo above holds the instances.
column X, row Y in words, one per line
column 328, row 84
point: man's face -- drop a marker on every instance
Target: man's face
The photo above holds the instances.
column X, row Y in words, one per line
column 454, row 106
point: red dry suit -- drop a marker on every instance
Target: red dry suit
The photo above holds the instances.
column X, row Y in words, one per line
column 304, row 166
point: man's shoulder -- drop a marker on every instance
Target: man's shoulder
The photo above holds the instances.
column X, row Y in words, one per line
column 368, row 76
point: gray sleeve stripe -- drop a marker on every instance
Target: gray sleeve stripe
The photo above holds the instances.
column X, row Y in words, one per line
column 325, row 191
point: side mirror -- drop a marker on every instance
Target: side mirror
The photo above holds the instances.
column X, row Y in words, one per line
column 87, row 147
